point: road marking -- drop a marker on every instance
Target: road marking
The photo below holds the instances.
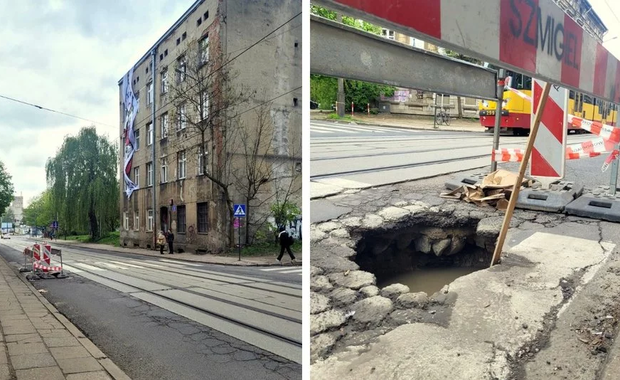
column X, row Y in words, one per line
column 127, row 264
column 284, row 270
column 147, row 263
column 72, row 269
column 332, row 129
column 90, row 267
column 272, row 269
column 180, row 262
column 313, row 129
column 111, row 265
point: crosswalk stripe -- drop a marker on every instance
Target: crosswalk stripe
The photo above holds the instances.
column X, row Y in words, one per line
column 180, row 262
column 333, row 129
column 87, row 266
column 72, row 269
column 319, row 131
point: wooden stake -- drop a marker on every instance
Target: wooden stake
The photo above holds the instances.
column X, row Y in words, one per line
column 517, row 186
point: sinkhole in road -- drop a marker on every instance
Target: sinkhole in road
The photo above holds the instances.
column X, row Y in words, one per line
column 426, row 254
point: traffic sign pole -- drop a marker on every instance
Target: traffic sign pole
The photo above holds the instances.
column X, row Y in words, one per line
column 239, row 233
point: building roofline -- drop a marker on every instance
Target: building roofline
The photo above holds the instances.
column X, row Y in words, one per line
column 167, row 34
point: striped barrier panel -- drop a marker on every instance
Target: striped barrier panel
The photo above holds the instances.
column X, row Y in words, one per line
column 45, row 268
column 605, row 131
column 548, row 153
column 534, row 37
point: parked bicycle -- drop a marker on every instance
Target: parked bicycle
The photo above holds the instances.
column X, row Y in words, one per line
column 442, row 117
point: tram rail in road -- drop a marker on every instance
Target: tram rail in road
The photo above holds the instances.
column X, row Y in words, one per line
column 260, row 311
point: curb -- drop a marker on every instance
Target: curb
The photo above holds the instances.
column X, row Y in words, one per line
column 113, row 370
column 299, row 262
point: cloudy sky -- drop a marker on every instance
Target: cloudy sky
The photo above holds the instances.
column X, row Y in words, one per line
column 67, row 55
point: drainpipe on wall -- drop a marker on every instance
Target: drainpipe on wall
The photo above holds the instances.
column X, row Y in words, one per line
column 154, row 163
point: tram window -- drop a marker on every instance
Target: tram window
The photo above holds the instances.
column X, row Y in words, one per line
column 571, row 94
column 587, row 99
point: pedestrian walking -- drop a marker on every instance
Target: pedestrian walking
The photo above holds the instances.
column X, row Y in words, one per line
column 170, row 240
column 161, row 241
column 286, row 240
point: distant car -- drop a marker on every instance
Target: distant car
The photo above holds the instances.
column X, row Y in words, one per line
column 313, row 105
column 5, row 236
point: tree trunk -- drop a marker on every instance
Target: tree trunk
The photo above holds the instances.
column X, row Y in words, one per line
column 459, row 108
column 340, row 103
column 94, row 231
column 247, row 221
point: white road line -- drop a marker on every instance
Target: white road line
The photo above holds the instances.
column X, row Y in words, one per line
column 72, row 269
column 111, row 265
column 273, row 269
column 127, row 264
column 312, row 129
column 180, row 262
column 292, row 271
column 147, row 263
column 90, row 267
column 333, row 129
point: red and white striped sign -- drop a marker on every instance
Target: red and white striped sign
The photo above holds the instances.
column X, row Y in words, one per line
column 548, row 153
column 36, row 252
column 534, row 37
column 47, row 254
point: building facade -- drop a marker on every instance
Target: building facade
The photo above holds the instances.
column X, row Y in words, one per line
column 188, row 156
column 17, row 207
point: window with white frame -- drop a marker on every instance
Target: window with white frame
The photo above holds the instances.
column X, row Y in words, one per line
column 136, row 220
column 136, row 176
column 204, row 105
column 203, row 50
column 164, row 170
column 181, row 69
column 202, row 161
column 136, row 135
column 149, row 134
column 149, row 221
column 125, row 221
column 164, row 125
column 149, row 92
column 182, row 164
column 164, row 80
column 389, row 34
column 181, row 117
column 149, row 174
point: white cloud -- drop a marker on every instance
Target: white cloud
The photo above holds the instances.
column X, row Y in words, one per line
column 68, row 56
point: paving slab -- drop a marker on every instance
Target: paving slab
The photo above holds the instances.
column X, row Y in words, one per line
column 76, row 365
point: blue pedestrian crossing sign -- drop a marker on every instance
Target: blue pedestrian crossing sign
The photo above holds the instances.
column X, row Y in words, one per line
column 239, row 211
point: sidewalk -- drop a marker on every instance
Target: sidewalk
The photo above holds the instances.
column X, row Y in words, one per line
column 37, row 342
column 408, row 122
column 230, row 259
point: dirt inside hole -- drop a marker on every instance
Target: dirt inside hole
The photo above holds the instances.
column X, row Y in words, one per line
column 426, row 255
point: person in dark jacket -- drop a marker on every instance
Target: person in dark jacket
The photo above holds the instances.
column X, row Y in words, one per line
column 170, row 240
column 286, row 241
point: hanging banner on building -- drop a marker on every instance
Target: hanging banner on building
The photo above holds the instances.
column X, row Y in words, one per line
column 130, row 108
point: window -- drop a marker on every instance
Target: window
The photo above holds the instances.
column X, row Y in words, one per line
column 164, row 170
column 389, row 34
column 178, row 41
column 164, row 125
column 202, row 161
column 149, row 174
column 203, row 50
column 181, row 219
column 136, row 135
column 198, row 22
column 125, row 221
column 181, row 69
column 164, row 81
column 136, row 176
column 182, row 164
column 204, row 105
column 149, row 221
column 206, row 15
column 149, row 134
column 203, row 214
column 136, row 220
column 184, row 36
column 181, row 117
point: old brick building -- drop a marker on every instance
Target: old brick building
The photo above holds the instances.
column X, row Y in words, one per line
column 177, row 183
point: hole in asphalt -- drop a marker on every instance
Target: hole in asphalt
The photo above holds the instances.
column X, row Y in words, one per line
column 425, row 255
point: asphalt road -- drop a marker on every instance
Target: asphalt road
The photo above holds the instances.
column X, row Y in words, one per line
column 163, row 319
column 349, row 156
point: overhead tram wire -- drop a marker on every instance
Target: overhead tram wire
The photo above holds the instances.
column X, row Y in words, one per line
column 54, row 111
column 229, row 61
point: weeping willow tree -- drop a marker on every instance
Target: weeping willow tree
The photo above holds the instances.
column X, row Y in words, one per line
column 83, row 185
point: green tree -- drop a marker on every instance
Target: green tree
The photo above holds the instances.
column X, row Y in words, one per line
column 324, row 90
column 6, row 188
column 82, row 180
column 39, row 212
column 8, row 216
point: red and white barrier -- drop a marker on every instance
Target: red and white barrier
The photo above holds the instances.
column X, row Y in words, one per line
column 598, row 145
column 605, row 131
column 560, row 52
column 45, row 268
column 548, row 154
column 516, row 155
column 613, row 156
